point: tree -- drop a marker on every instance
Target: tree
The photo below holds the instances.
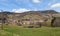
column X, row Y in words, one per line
column 54, row 18
column 3, row 18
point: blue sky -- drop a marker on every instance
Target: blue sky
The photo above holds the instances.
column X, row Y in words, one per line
column 28, row 5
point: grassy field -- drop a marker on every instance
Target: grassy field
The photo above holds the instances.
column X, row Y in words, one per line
column 20, row 31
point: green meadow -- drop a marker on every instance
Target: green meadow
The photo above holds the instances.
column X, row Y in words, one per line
column 13, row 30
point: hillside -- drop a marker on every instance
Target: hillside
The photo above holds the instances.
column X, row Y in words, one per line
column 41, row 12
column 30, row 16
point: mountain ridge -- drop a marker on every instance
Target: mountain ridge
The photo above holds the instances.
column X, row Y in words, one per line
column 44, row 11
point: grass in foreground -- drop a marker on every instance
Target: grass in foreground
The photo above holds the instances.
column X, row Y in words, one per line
column 11, row 30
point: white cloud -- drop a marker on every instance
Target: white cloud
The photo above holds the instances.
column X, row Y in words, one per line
column 55, row 5
column 36, row 1
column 21, row 10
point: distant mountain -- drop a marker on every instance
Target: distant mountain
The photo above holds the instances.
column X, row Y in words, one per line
column 38, row 12
column 6, row 12
column 33, row 12
column 49, row 12
column 45, row 12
